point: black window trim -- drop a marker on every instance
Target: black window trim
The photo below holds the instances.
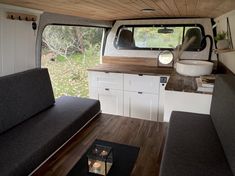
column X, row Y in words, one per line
column 156, row 25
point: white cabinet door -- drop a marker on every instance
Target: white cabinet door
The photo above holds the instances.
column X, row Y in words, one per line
column 111, row 101
column 141, row 105
column 141, row 83
column 105, row 80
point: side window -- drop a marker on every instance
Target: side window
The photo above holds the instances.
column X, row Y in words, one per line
column 67, row 52
column 158, row 37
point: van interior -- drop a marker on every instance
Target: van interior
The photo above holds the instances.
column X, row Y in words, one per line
column 117, row 87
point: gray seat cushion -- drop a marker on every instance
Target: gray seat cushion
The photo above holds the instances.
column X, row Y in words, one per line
column 28, row 144
column 223, row 114
column 23, row 95
column 193, row 148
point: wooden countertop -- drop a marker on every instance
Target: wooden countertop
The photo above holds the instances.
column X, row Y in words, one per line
column 132, row 69
column 182, row 83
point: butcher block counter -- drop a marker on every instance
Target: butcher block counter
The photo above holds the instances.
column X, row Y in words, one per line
column 181, row 83
column 132, row 69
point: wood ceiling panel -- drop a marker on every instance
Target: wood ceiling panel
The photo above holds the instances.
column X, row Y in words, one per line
column 182, row 6
column 129, row 9
column 171, row 4
column 191, row 7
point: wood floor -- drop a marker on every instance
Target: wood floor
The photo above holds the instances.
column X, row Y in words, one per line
column 147, row 135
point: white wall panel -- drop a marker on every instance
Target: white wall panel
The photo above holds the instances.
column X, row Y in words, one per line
column 17, row 41
column 228, row 59
column 8, row 46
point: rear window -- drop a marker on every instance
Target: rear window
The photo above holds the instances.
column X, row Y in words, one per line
column 158, row 37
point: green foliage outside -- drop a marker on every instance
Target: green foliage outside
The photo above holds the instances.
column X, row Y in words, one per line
column 221, row 36
column 149, row 37
column 67, row 52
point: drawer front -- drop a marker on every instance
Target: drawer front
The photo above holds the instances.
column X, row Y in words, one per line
column 106, row 80
column 141, row 83
column 111, row 101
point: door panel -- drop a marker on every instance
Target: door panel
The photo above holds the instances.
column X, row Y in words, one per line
column 141, row 105
column 111, row 101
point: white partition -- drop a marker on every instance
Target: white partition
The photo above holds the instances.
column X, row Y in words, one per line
column 17, row 41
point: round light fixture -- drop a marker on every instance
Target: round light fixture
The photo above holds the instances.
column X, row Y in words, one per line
column 148, row 10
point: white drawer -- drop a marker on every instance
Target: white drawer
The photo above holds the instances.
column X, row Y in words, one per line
column 141, row 83
column 106, row 80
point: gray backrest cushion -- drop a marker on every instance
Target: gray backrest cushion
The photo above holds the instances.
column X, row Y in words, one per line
column 223, row 115
column 23, row 95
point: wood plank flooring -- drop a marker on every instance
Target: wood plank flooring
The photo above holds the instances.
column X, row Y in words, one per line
column 149, row 136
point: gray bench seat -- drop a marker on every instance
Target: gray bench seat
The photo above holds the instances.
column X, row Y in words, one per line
column 193, row 147
column 33, row 125
column 28, row 144
column 203, row 145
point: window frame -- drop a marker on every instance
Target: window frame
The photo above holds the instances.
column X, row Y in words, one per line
column 156, row 25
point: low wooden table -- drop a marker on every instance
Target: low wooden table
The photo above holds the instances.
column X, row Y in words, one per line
column 149, row 136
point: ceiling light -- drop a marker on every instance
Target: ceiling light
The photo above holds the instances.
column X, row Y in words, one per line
column 148, row 10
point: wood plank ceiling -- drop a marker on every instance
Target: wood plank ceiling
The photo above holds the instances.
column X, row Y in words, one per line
column 129, row 9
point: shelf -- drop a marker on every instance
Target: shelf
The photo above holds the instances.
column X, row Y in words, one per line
column 219, row 51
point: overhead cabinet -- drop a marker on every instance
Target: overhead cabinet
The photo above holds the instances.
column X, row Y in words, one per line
column 131, row 95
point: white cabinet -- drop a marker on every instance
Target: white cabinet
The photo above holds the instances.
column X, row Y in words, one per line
column 108, row 88
column 141, row 96
column 187, row 102
column 131, row 95
column 111, row 100
column 141, row 105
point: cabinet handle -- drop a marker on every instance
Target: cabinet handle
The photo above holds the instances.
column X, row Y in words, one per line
column 107, row 89
column 140, row 92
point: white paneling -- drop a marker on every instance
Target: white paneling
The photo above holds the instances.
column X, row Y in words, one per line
column 161, row 102
column 8, row 46
column 228, row 59
column 21, row 46
column 17, row 41
column 110, row 50
column 187, row 102
column 31, row 61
